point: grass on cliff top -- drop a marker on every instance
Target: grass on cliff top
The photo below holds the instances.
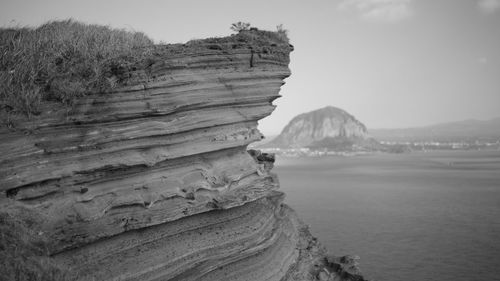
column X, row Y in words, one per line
column 62, row 61
column 254, row 36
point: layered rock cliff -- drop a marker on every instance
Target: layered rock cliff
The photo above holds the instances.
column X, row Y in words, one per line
column 329, row 127
column 153, row 181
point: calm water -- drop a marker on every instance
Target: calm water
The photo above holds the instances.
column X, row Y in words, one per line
column 421, row 216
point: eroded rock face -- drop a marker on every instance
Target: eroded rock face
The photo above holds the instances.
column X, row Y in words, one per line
column 153, row 181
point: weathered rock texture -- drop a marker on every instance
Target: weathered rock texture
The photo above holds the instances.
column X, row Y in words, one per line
column 153, row 180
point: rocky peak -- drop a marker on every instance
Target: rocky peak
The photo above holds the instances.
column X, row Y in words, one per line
column 312, row 127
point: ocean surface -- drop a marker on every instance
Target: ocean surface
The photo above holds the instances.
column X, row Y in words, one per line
column 416, row 216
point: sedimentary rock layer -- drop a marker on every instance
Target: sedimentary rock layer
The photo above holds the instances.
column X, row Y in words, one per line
column 152, row 181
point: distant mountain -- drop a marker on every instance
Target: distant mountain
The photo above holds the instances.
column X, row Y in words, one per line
column 327, row 128
column 453, row 131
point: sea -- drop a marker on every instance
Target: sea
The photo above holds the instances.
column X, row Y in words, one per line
column 415, row 216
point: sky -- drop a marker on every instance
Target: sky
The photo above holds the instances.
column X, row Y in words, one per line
column 390, row 63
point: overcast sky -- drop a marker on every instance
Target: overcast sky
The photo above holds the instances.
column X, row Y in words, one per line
column 390, row 63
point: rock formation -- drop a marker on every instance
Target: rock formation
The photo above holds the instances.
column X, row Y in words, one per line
column 329, row 127
column 153, row 181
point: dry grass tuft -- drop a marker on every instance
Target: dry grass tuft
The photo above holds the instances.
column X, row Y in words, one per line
column 24, row 253
column 61, row 61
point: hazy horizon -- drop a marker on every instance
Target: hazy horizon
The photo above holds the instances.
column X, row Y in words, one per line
column 390, row 63
column 275, row 134
column 441, row 123
column 408, row 127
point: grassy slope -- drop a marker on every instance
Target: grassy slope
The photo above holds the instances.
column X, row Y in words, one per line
column 61, row 61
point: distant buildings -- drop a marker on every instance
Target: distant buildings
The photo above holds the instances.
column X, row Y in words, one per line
column 391, row 147
column 446, row 145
